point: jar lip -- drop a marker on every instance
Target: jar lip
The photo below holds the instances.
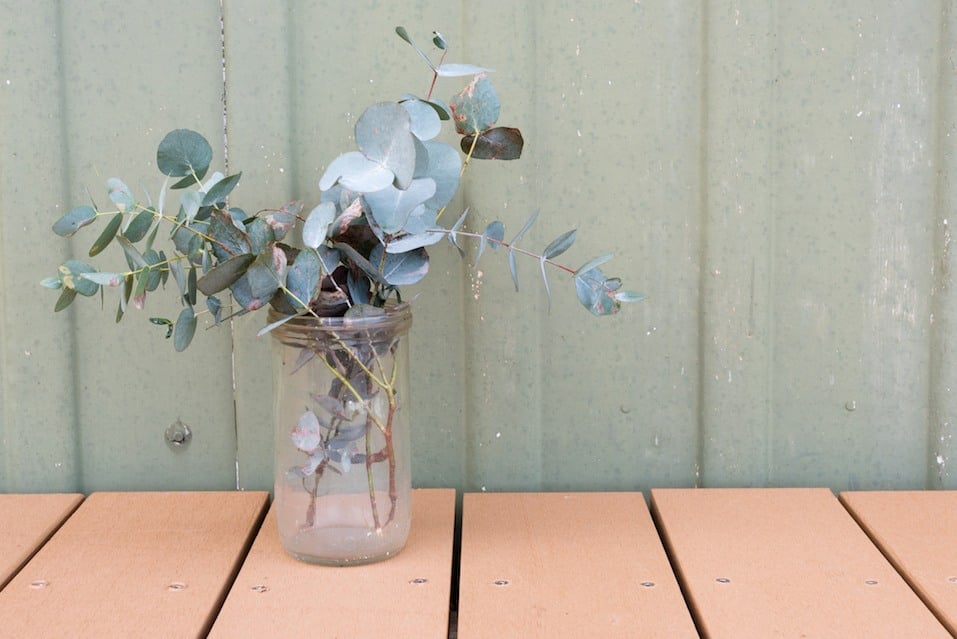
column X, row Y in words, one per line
column 380, row 317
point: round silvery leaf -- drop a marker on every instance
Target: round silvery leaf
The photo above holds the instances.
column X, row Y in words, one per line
column 425, row 121
column 384, row 135
column 356, row 172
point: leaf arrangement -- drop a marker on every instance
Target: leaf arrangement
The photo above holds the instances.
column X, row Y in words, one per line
column 379, row 209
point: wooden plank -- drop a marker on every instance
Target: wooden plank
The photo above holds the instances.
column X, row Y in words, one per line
column 27, row 521
column 917, row 532
column 783, row 563
column 404, row 596
column 565, row 565
column 134, row 565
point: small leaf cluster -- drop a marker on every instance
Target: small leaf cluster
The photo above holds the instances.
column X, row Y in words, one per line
column 378, row 211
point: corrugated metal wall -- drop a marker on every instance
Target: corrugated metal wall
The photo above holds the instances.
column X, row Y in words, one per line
column 775, row 176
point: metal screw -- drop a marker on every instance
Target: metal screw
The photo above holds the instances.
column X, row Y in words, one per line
column 177, row 586
column 723, row 580
column 501, row 582
column 178, row 435
column 871, row 582
column 418, row 580
column 260, row 588
column 648, row 584
column 952, row 580
column 39, row 583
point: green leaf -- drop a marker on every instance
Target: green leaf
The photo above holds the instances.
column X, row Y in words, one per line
column 273, row 261
column 476, row 108
column 418, row 240
column 511, row 247
column 66, row 298
column 182, row 153
column 594, row 263
column 105, row 279
column 629, row 296
column 500, row 143
column 260, row 234
column 138, row 227
column 445, row 167
column 402, row 33
column 179, row 275
column 439, row 41
column 120, row 195
column 559, row 245
column 284, row 219
column 191, row 286
column 217, row 194
column 74, row 221
column 302, row 280
column 596, row 293
column 185, row 329
column 316, row 227
column 268, row 327
column 107, row 235
column 384, row 135
column 229, row 240
column 401, row 269
column 224, row 274
column 391, row 206
column 215, row 308
column 445, row 113
column 365, row 265
column 51, row 283
column 70, row 274
column 494, row 231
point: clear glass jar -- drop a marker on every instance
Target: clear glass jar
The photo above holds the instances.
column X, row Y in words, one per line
column 343, row 482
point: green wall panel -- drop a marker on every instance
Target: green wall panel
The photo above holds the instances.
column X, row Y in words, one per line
column 774, row 176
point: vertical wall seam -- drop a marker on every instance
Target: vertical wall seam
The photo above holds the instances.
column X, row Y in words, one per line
column 232, row 323
column 66, row 171
column 940, row 319
column 703, row 220
column 774, row 112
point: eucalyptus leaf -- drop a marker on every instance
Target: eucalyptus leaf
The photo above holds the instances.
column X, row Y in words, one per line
column 109, row 232
column 67, row 295
column 216, row 195
column 453, row 70
column 74, row 221
column 269, row 327
column 594, row 293
column 410, row 242
column 495, row 231
column 391, row 206
column 215, row 308
column 316, row 226
column 445, row 168
column 51, row 283
column 594, row 263
column 224, row 274
column 559, row 245
column 229, row 240
column 70, row 274
column 356, row 172
column 499, row 143
column 302, row 279
column 183, row 152
column 384, row 135
column 401, row 269
column 184, row 329
column 138, row 227
column 104, row 279
column 424, row 120
column 120, row 195
column 476, row 107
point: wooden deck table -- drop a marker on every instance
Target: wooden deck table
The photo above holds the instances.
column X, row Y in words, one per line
column 734, row 563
